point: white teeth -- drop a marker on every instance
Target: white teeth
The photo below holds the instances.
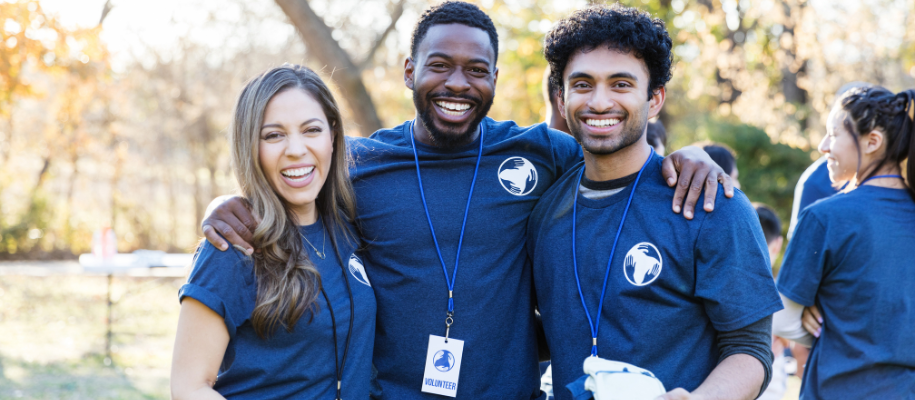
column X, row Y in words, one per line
column 453, row 108
column 298, row 172
column 599, row 123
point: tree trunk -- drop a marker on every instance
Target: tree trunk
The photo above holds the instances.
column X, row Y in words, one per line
column 320, row 43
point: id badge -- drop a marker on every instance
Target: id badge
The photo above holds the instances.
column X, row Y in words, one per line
column 443, row 365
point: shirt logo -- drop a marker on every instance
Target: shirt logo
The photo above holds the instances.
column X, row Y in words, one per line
column 518, row 176
column 358, row 270
column 443, row 360
column 643, row 264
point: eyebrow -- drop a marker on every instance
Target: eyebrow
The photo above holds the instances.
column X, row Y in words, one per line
column 449, row 58
column 583, row 75
column 280, row 126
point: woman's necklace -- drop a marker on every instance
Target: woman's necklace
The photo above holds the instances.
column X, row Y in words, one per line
column 323, row 242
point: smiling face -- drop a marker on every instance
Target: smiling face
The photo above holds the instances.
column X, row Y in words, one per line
column 295, row 151
column 839, row 147
column 453, row 79
column 605, row 101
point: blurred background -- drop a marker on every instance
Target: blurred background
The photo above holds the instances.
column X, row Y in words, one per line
column 113, row 114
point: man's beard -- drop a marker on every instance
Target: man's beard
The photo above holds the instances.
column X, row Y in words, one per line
column 629, row 135
column 450, row 136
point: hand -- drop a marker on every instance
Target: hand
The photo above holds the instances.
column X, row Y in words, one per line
column 677, row 394
column 696, row 169
column 812, row 321
column 233, row 220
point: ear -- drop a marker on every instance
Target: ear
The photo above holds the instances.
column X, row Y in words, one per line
column 656, row 102
column 560, row 100
column 872, row 142
column 409, row 68
column 495, row 78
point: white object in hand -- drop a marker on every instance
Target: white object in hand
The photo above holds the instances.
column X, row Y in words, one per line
column 614, row 380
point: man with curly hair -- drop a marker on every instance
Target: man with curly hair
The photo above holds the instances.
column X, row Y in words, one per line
column 420, row 184
column 617, row 277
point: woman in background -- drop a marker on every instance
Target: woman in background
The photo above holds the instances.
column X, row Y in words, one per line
column 852, row 255
column 288, row 321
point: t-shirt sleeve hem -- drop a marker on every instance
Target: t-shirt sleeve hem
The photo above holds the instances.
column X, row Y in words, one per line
column 791, row 295
column 748, row 319
column 210, row 300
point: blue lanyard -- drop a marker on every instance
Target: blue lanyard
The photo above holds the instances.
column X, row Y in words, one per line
column 595, row 325
column 450, row 315
column 881, row 176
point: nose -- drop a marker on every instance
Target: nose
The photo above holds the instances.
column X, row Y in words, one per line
column 823, row 147
column 457, row 82
column 298, row 146
column 601, row 100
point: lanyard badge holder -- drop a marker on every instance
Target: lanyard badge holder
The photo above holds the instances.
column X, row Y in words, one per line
column 595, row 322
column 443, row 357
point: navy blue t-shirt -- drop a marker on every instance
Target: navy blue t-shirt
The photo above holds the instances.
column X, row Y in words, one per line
column 813, row 185
column 674, row 283
column 853, row 256
column 298, row 364
column 493, row 300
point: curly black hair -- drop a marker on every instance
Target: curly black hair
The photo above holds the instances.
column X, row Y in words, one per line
column 454, row 12
column 620, row 28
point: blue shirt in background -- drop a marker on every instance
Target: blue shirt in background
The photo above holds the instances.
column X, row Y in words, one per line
column 674, row 283
column 853, row 256
column 493, row 301
column 813, row 185
column 298, row 364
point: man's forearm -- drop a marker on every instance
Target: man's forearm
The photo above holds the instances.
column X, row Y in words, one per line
column 736, row 377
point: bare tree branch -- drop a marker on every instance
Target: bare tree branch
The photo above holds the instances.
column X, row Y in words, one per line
column 395, row 16
column 105, row 10
column 321, row 43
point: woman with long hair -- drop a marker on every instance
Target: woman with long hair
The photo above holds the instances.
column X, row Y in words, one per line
column 297, row 318
column 852, row 257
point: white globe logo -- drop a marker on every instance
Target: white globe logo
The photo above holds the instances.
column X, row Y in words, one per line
column 643, row 264
column 518, row 176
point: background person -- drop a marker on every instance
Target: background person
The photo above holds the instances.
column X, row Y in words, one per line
column 725, row 157
column 297, row 319
column 851, row 256
column 814, row 183
column 772, row 230
column 657, row 137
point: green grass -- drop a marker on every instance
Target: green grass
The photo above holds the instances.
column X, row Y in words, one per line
column 52, row 337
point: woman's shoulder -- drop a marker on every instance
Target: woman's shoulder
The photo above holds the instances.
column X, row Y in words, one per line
column 212, row 266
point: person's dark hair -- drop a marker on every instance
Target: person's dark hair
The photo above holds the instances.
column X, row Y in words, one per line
column 874, row 107
column 620, row 28
column 657, row 134
column 721, row 154
column 552, row 90
column 454, row 12
column 771, row 224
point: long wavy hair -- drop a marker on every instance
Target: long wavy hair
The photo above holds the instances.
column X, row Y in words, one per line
column 874, row 107
column 288, row 284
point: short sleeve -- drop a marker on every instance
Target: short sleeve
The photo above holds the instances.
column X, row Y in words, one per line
column 805, row 261
column 224, row 282
column 733, row 274
column 566, row 151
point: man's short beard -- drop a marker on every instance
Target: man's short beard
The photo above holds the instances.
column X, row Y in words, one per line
column 444, row 139
column 628, row 136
